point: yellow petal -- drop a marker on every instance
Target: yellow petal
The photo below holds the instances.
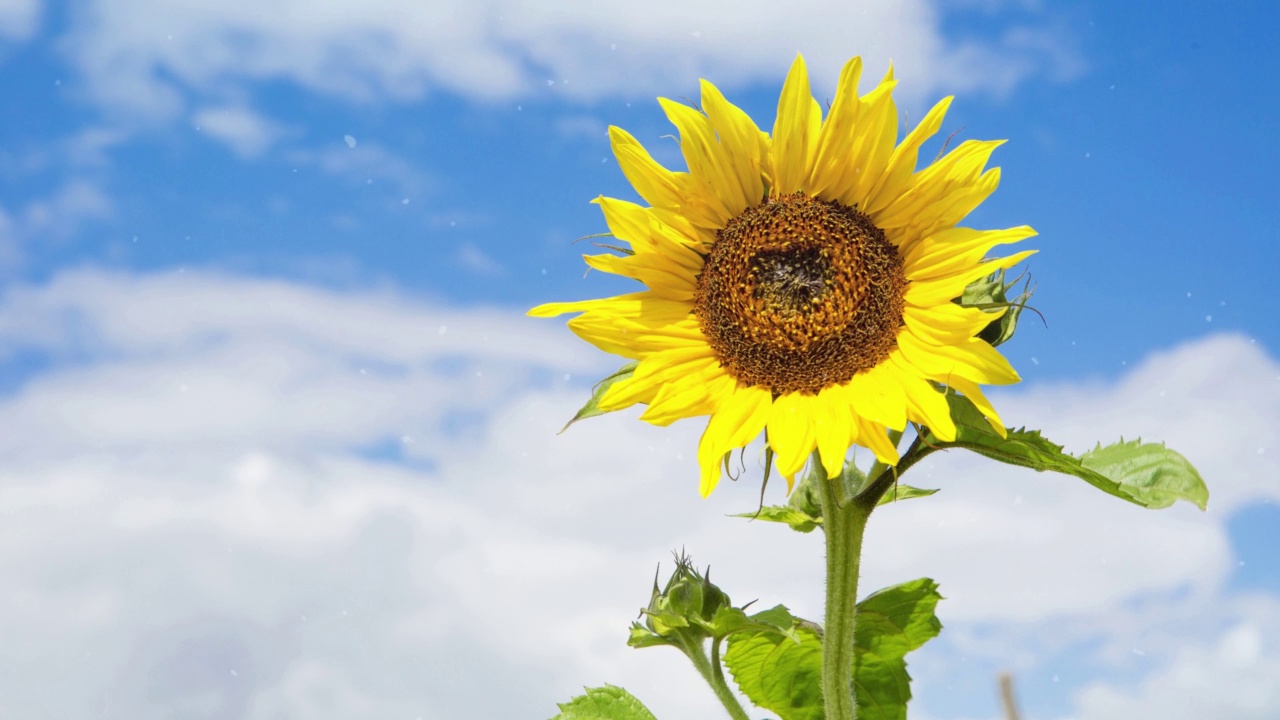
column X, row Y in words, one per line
column 646, row 233
column 875, row 437
column 926, row 405
column 700, row 393
column 923, row 293
column 833, row 425
column 835, row 139
column 878, row 130
column 948, row 322
column 954, row 207
column 741, row 140
column 654, row 371
column 739, row 420
column 926, row 193
column 664, row 277
column 636, row 338
column 709, row 166
column 794, row 131
column 876, row 394
column 971, row 359
column 791, row 431
column 902, row 163
column 657, row 185
column 974, row 393
column 954, row 249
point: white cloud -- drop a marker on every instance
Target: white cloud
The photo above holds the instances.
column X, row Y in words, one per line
column 140, row 58
column 246, row 132
column 471, row 257
column 1230, row 675
column 51, row 219
column 364, row 164
column 18, row 18
column 198, row 483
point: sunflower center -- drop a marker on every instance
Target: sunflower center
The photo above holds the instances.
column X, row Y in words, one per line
column 798, row 294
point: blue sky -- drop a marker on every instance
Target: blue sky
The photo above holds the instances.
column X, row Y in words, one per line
column 263, row 364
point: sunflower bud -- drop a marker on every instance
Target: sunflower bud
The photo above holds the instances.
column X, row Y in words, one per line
column 681, row 613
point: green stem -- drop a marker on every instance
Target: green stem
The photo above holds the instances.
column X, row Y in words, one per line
column 711, row 672
column 843, row 521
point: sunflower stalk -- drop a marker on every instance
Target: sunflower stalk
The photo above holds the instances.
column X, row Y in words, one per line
column 843, row 521
column 710, row 670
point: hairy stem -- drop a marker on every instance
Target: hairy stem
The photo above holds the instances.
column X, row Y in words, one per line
column 843, row 520
column 711, row 672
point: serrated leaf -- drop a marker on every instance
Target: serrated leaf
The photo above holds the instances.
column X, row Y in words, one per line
column 730, row 620
column 604, row 703
column 784, row 674
column 1150, row 471
column 891, row 623
column 779, row 674
column 796, row 518
column 592, row 408
column 898, row 493
column 1149, row 475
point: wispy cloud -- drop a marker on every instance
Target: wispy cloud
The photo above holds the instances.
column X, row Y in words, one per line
column 18, row 18
column 246, row 132
column 51, row 219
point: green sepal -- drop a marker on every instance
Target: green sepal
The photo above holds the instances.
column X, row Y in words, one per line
column 592, row 408
column 993, row 292
column 1146, row 474
column 604, row 703
column 794, row 518
column 803, row 511
column 898, row 493
column 783, row 672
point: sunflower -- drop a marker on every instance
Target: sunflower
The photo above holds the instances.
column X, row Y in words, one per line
column 800, row 285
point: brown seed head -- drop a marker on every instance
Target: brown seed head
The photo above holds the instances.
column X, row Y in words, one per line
column 800, row 294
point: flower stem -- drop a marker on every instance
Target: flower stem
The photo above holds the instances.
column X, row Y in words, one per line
column 843, row 521
column 711, row 672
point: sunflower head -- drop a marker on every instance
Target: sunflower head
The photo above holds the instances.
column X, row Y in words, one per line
column 804, row 284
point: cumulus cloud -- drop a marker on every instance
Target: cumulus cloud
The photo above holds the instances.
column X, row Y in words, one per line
column 140, row 58
column 231, row 497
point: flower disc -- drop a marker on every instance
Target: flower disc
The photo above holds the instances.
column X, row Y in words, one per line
column 799, row 294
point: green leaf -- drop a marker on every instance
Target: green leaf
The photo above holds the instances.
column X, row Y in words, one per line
column 796, row 518
column 1151, row 472
column 604, row 703
column 592, row 408
column 891, row 623
column 904, row 492
column 783, row 673
column 779, row 674
column 1149, row 475
column 731, row 620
